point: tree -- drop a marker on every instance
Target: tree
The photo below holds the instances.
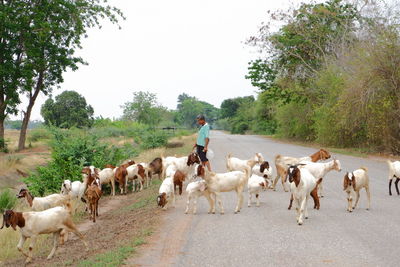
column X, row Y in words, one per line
column 69, row 109
column 230, row 106
column 38, row 44
column 189, row 107
column 144, row 108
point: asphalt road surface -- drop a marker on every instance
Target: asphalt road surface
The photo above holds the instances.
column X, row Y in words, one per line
column 269, row 235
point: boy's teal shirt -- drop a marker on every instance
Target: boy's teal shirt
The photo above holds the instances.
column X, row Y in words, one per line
column 204, row 133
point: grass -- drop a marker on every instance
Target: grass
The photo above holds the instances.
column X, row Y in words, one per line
column 145, row 200
column 9, row 238
column 355, row 152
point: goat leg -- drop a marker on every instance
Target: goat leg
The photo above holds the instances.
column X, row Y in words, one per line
column 396, row 183
column 291, row 202
column 390, row 187
column 314, row 195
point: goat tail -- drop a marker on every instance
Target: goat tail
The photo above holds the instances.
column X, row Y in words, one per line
column 364, row 168
column 278, row 157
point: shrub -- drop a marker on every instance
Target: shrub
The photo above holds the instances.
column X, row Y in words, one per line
column 3, row 145
column 70, row 152
column 7, row 200
column 154, row 139
column 39, row 134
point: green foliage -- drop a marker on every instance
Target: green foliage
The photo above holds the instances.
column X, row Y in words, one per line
column 69, row 109
column 189, row 107
column 3, row 145
column 144, row 109
column 294, row 120
column 39, row 134
column 8, row 200
column 71, row 150
column 153, row 139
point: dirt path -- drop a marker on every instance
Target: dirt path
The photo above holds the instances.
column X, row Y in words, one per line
column 165, row 244
column 120, row 221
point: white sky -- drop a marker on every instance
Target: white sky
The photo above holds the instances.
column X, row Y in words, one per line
column 168, row 47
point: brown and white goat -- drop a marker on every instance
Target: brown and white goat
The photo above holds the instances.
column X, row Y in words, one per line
column 156, row 167
column 179, row 178
column 34, row 223
column 353, row 182
column 282, row 163
column 120, row 174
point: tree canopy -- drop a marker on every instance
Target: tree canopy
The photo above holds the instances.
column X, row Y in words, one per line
column 69, row 109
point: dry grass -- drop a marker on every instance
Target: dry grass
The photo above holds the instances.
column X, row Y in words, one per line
column 140, row 202
column 9, row 238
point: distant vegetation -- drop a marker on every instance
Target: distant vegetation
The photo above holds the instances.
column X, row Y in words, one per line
column 331, row 75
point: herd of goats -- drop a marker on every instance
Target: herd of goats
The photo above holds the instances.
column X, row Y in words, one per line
column 303, row 176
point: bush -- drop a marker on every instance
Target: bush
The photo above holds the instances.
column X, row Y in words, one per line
column 3, row 145
column 39, row 134
column 70, row 152
column 7, row 200
column 154, row 139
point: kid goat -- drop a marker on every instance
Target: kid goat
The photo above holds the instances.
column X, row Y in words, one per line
column 353, row 182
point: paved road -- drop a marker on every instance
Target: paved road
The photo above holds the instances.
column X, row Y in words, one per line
column 269, row 235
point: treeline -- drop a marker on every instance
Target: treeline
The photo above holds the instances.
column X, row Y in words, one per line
column 330, row 74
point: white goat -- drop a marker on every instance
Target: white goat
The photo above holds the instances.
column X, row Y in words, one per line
column 106, row 176
column 138, row 173
column 74, row 189
column 302, row 182
column 353, row 182
column 224, row 182
column 235, row 164
column 184, row 164
column 255, row 185
column 282, row 163
column 394, row 172
column 166, row 192
column 34, row 223
column 263, row 170
column 319, row 170
column 195, row 190
column 43, row 203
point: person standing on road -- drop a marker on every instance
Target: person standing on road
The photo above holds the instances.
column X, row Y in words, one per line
column 203, row 139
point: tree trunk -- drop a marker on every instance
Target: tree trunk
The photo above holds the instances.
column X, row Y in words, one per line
column 27, row 113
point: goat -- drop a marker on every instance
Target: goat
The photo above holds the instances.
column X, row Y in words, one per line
column 282, row 162
column 194, row 190
column 302, row 183
column 93, row 194
column 42, row 203
column 106, row 176
column 179, row 178
column 34, row 223
column 156, row 167
column 353, row 182
column 224, row 182
column 263, row 170
column 148, row 173
column 255, row 184
column 319, row 170
column 394, row 172
column 166, row 191
column 136, row 172
column 184, row 164
column 235, row 164
column 120, row 174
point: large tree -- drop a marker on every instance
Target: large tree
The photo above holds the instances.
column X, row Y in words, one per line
column 38, row 42
column 144, row 108
column 68, row 110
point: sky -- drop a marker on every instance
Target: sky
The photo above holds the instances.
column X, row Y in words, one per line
column 168, row 47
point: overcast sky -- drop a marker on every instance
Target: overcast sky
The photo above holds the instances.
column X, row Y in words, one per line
column 168, row 47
